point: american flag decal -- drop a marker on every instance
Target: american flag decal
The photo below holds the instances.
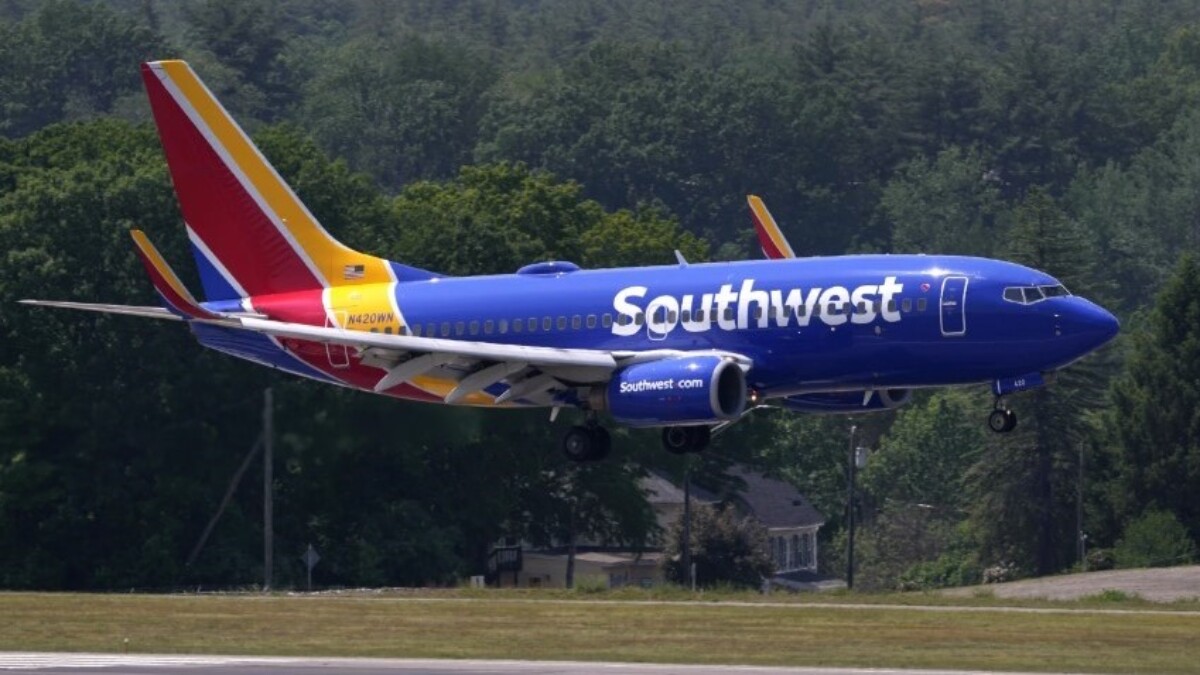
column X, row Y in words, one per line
column 354, row 271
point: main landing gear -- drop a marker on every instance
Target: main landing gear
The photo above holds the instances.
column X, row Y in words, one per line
column 1002, row 420
column 681, row 440
column 588, row 442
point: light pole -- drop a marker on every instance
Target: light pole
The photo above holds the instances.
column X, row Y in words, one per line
column 850, row 471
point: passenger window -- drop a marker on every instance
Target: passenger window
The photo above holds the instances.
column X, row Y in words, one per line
column 488, row 326
column 518, row 325
column 416, row 330
column 532, row 324
column 699, row 315
column 639, row 318
column 503, row 326
column 562, row 323
column 445, row 329
column 460, row 327
column 685, row 315
column 757, row 313
column 802, row 310
column 862, row 308
column 430, row 330
column 907, row 305
column 920, row 304
column 832, row 309
column 891, row 305
column 671, row 316
column 474, row 328
column 607, row 321
column 547, row 323
column 591, row 321
column 576, row 322
column 388, row 330
column 374, row 329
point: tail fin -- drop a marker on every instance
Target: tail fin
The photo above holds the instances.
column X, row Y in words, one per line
column 770, row 237
column 250, row 233
column 174, row 294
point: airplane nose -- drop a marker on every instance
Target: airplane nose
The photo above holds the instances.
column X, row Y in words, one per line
column 1091, row 324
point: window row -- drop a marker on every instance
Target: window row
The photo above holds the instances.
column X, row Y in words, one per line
column 794, row 552
column 547, row 324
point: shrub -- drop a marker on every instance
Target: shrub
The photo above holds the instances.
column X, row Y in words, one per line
column 1156, row 539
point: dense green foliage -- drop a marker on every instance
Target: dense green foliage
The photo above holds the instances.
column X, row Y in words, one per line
column 475, row 137
column 727, row 548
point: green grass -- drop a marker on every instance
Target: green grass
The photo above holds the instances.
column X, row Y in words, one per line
column 542, row 625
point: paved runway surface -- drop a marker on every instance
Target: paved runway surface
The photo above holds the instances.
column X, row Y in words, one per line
column 147, row 664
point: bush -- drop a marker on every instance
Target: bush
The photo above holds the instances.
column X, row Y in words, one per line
column 1156, row 539
column 1100, row 559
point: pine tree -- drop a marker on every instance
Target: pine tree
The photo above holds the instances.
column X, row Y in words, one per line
column 1154, row 421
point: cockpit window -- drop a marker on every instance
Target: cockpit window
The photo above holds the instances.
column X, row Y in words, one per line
column 1027, row 295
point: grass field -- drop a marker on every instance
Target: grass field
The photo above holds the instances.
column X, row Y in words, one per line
column 553, row 627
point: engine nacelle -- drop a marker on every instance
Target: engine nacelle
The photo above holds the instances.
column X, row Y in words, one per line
column 685, row 390
column 847, row 402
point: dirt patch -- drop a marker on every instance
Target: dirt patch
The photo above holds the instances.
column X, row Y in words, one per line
column 1162, row 584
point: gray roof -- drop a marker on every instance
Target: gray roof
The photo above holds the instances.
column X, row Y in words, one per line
column 774, row 503
column 660, row 490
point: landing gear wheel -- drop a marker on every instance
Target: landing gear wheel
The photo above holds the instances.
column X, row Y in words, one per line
column 681, row 440
column 578, row 444
column 589, row 443
column 675, row 440
column 1002, row 421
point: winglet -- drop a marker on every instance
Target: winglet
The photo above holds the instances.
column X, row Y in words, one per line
column 168, row 285
column 770, row 237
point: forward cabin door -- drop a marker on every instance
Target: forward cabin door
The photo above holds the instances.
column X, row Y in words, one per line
column 954, row 306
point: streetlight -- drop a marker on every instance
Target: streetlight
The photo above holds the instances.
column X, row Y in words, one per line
column 856, row 459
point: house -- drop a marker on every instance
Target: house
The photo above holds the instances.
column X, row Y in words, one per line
column 791, row 521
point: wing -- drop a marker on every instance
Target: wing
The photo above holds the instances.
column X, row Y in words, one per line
column 531, row 373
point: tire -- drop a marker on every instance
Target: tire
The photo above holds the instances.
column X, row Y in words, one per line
column 578, row 444
column 998, row 421
column 676, row 440
column 1010, row 421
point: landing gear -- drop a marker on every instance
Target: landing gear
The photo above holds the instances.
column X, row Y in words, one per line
column 586, row 443
column 1002, row 420
column 681, row 440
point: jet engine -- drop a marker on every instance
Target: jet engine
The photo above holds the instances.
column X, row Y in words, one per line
column 678, row 391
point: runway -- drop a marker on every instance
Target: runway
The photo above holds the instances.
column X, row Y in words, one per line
column 165, row 664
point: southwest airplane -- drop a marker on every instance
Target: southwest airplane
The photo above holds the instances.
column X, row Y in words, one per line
column 686, row 348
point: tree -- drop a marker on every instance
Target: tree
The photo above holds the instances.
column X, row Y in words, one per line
column 1022, row 488
column 1154, row 419
column 726, row 548
column 947, row 206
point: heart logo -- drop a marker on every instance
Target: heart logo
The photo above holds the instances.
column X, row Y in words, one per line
column 924, row 288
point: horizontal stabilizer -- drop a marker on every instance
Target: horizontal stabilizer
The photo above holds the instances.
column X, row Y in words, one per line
column 129, row 310
column 166, row 282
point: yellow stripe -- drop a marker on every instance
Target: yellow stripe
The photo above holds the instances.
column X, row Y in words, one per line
column 440, row 387
column 160, row 264
column 327, row 255
column 771, row 227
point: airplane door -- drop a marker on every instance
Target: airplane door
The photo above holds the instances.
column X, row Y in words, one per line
column 954, row 306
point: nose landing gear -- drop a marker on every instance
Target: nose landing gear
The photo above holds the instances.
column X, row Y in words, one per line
column 1002, row 420
column 588, row 442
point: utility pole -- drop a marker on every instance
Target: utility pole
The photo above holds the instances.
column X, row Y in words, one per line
column 686, row 547
column 1080, row 537
column 850, row 471
column 268, row 481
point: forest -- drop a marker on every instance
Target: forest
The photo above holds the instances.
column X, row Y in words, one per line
column 474, row 136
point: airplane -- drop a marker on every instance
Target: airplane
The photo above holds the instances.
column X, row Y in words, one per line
column 686, row 348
